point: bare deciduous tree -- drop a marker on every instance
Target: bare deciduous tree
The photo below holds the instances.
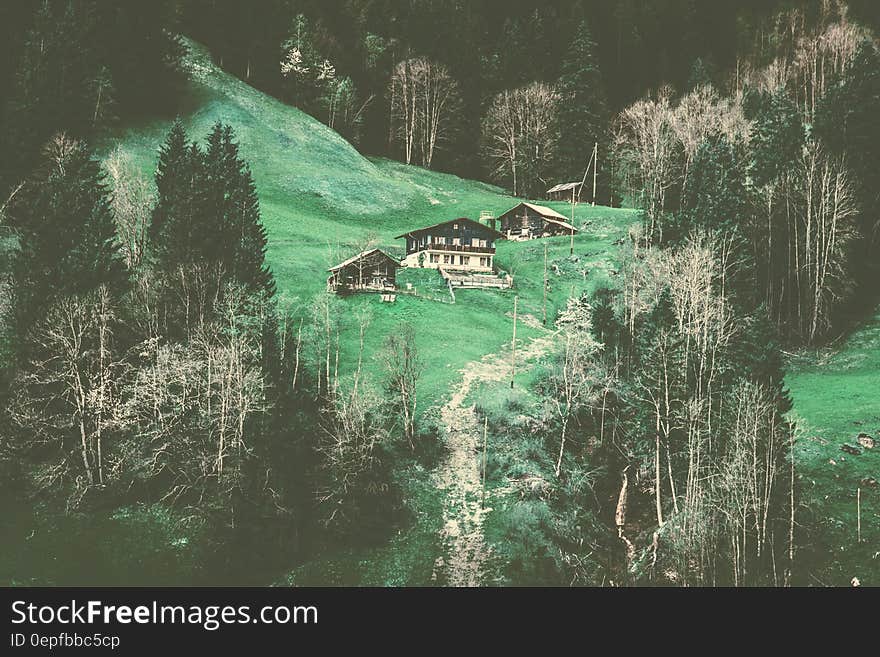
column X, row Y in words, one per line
column 133, row 199
column 403, row 367
column 65, row 398
column 645, row 144
column 191, row 405
column 352, row 429
column 576, row 377
column 519, row 135
column 424, row 98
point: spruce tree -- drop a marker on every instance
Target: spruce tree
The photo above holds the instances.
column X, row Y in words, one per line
column 179, row 177
column 583, row 111
column 208, row 211
column 67, row 233
column 236, row 237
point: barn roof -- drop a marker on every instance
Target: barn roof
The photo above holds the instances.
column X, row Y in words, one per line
column 564, row 224
column 549, row 215
column 562, row 187
column 546, row 212
column 361, row 255
column 452, row 221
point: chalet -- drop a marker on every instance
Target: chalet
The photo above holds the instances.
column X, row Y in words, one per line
column 462, row 244
column 527, row 221
column 369, row 270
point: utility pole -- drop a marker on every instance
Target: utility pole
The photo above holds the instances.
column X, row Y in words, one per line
column 513, row 344
column 485, row 457
column 859, row 512
column 595, row 168
column 545, row 283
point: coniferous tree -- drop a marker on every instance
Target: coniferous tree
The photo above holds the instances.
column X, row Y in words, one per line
column 207, row 216
column 237, row 239
column 583, row 110
column 67, row 232
column 50, row 90
column 718, row 199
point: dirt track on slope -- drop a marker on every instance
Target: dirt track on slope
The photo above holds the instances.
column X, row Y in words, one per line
column 458, row 476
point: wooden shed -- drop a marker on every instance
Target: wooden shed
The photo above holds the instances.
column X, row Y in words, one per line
column 570, row 192
column 528, row 221
column 368, row 270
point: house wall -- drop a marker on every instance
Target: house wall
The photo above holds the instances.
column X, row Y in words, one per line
column 435, row 258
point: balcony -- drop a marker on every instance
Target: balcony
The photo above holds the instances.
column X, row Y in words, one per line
column 436, row 246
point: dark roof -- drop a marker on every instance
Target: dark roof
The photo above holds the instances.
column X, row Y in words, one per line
column 453, row 221
column 363, row 254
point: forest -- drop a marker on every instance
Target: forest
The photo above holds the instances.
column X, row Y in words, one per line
column 180, row 392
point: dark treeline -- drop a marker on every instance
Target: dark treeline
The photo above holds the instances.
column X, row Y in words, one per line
column 81, row 64
column 77, row 66
column 489, row 46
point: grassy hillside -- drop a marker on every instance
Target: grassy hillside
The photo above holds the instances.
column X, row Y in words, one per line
column 836, row 393
column 320, row 199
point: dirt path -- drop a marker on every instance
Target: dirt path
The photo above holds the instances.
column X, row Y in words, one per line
column 459, row 474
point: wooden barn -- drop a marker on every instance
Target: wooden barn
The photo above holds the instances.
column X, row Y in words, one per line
column 369, row 270
column 527, row 221
column 462, row 244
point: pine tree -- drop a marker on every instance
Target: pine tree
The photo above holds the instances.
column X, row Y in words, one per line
column 53, row 82
column 237, row 238
column 718, row 199
column 583, row 111
column 847, row 123
column 174, row 226
column 67, row 233
column 702, row 73
column 777, row 134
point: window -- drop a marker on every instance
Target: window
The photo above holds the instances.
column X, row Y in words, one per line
column 435, row 257
column 454, row 226
column 441, row 240
column 464, row 260
column 446, row 260
column 484, row 262
column 456, row 241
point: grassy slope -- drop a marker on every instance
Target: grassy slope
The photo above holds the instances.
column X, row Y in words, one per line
column 320, row 198
column 836, row 395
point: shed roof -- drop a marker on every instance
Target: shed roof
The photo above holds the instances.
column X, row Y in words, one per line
column 562, row 187
column 363, row 254
column 564, row 224
column 544, row 211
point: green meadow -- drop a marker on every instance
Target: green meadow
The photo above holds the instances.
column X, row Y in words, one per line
column 836, row 394
column 321, row 201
